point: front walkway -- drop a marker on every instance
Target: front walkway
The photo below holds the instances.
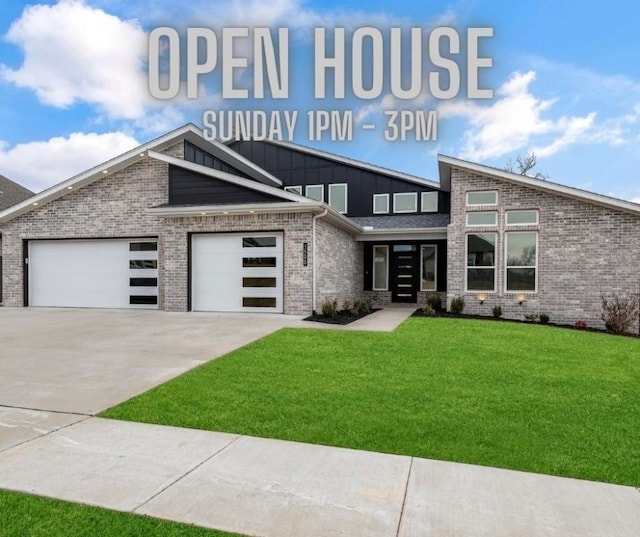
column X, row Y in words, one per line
column 274, row 488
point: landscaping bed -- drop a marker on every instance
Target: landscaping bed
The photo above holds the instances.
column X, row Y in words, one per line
column 340, row 317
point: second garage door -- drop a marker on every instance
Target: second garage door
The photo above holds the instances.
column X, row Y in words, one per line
column 237, row 272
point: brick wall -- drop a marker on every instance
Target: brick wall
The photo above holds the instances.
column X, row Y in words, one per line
column 340, row 267
column 584, row 250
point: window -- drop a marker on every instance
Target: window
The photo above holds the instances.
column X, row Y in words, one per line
column 143, row 264
column 258, row 302
column 258, row 282
column 380, row 268
column 429, row 202
column 258, row 262
column 143, row 299
column 258, row 242
column 315, row 192
column 406, row 202
column 143, row 246
column 380, row 203
column 143, row 282
column 482, row 218
column 481, row 262
column 522, row 261
column 522, row 218
column 484, row 197
column 428, row 267
column 294, row 189
column 338, row 197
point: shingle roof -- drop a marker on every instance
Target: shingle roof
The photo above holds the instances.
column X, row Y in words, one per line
column 403, row 221
column 12, row 193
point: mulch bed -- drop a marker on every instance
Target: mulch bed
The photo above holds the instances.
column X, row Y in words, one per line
column 341, row 317
column 442, row 313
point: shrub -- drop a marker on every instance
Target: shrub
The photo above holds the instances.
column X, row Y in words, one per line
column 497, row 311
column 364, row 306
column 435, row 301
column 457, row 305
column 581, row 325
column 531, row 317
column 544, row 318
column 329, row 308
column 347, row 305
column 428, row 310
column 619, row 312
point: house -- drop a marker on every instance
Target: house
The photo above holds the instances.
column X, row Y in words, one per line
column 186, row 224
column 10, row 194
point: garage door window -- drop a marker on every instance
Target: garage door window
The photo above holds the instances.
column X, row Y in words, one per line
column 143, row 246
column 140, row 300
column 258, row 282
column 258, row 302
column 258, row 262
column 258, row 242
column 143, row 264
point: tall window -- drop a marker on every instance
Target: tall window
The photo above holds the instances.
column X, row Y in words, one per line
column 380, row 268
column 481, row 262
column 380, row 203
column 428, row 267
column 338, row 197
column 522, row 261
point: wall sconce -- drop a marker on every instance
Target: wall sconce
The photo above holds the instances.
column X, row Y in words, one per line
column 520, row 299
column 482, row 298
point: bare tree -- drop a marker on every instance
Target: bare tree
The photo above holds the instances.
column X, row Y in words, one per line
column 524, row 164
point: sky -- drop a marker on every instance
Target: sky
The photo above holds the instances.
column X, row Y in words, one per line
column 74, row 85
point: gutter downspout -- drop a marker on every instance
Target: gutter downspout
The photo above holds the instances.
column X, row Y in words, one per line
column 313, row 258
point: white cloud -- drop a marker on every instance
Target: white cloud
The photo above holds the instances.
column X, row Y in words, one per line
column 636, row 200
column 39, row 165
column 75, row 53
column 516, row 120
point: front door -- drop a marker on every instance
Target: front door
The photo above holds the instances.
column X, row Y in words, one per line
column 404, row 273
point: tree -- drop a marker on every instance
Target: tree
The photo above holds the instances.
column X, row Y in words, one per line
column 524, row 164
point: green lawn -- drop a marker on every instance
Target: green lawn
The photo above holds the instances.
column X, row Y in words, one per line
column 22, row 515
column 520, row 396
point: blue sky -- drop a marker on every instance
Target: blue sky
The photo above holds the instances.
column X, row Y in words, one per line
column 566, row 83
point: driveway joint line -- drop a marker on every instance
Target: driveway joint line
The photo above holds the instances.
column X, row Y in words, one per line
column 72, row 413
column 47, row 433
column 188, row 472
column 404, row 499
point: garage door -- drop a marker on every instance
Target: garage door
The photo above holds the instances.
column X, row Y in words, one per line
column 94, row 273
column 237, row 272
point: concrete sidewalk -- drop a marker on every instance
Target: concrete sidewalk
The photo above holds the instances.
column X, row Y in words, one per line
column 383, row 320
column 265, row 487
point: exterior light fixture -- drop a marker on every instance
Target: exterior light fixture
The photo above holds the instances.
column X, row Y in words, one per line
column 105, row 172
column 69, row 188
column 520, row 298
column 203, row 214
column 35, row 203
column 481, row 298
column 225, row 212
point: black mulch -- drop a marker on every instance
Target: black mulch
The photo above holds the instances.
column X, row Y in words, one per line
column 341, row 317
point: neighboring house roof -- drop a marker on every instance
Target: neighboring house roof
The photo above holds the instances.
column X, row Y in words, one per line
column 12, row 193
column 356, row 163
column 446, row 164
column 404, row 221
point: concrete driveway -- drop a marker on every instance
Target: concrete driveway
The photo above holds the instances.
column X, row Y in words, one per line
column 83, row 361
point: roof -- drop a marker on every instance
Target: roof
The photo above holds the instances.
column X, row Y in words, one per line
column 404, row 221
column 446, row 164
column 12, row 193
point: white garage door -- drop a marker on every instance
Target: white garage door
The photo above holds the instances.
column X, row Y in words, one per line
column 237, row 272
column 100, row 273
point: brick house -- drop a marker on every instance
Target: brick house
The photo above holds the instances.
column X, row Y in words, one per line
column 182, row 223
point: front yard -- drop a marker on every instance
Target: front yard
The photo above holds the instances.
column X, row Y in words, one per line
column 525, row 397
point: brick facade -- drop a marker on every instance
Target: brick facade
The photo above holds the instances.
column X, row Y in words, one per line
column 584, row 250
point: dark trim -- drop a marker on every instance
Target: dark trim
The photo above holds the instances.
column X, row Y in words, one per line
column 93, row 238
column 189, row 269
column 25, row 273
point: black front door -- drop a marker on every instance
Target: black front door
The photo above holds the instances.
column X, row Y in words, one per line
column 404, row 273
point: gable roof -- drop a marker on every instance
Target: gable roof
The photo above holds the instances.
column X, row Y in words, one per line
column 12, row 193
column 188, row 132
column 446, row 164
column 355, row 163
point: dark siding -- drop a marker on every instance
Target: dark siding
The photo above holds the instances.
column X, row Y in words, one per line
column 298, row 168
column 441, row 262
column 190, row 188
column 198, row 156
